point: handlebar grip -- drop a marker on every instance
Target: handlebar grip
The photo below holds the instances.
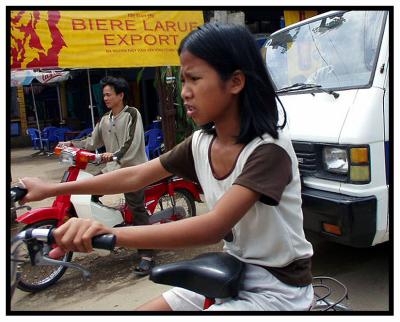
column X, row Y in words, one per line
column 105, row 241
column 18, row 193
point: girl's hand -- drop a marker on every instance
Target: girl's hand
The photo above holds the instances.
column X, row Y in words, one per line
column 77, row 233
column 37, row 189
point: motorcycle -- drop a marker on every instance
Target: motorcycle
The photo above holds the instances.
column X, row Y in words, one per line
column 168, row 200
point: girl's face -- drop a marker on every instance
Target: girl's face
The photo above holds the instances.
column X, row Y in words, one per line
column 206, row 96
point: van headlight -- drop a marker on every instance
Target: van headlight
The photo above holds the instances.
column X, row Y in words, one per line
column 335, row 160
column 353, row 162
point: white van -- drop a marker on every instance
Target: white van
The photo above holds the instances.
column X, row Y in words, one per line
column 331, row 73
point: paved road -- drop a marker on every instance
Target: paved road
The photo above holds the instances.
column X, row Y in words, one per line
column 364, row 271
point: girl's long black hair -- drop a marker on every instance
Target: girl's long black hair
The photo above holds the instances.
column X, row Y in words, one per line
column 228, row 48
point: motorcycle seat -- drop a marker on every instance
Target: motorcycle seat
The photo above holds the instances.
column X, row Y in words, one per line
column 214, row 275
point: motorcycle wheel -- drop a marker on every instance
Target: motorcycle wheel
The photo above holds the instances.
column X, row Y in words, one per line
column 183, row 198
column 37, row 278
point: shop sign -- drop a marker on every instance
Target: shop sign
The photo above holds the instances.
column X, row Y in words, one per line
column 98, row 39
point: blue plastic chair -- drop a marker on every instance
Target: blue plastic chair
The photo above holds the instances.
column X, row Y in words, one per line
column 34, row 135
column 59, row 133
column 49, row 137
column 153, row 140
column 156, row 124
column 84, row 133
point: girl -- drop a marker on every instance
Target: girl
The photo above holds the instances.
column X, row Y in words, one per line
column 248, row 170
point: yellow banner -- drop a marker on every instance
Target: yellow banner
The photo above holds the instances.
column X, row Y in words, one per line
column 98, row 39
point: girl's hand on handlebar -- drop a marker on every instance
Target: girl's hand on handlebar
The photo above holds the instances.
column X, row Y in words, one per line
column 107, row 157
column 37, row 189
column 77, row 233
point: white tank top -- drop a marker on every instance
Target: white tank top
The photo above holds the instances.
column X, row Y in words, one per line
column 266, row 235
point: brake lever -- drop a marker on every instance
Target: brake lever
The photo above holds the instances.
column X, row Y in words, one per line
column 21, row 207
column 44, row 260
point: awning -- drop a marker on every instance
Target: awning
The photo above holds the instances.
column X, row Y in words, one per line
column 25, row 77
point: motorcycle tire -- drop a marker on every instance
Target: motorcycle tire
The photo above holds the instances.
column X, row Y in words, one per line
column 183, row 198
column 38, row 278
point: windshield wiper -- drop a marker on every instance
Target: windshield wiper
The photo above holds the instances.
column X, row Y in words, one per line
column 297, row 87
column 303, row 86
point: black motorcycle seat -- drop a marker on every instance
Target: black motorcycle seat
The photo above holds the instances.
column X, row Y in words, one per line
column 214, row 275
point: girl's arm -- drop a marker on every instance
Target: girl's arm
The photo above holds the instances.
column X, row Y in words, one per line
column 204, row 229
column 118, row 181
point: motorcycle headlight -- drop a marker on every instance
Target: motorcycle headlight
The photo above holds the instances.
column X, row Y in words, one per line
column 67, row 158
column 335, row 160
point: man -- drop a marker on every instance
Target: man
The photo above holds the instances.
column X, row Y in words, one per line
column 120, row 131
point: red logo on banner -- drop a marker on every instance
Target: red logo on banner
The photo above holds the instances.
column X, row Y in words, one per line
column 27, row 48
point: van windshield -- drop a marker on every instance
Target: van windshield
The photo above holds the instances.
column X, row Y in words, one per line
column 335, row 52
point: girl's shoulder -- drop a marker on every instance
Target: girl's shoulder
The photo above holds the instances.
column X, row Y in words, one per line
column 201, row 137
column 282, row 140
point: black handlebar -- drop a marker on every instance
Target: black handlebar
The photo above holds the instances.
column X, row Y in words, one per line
column 106, row 241
column 18, row 193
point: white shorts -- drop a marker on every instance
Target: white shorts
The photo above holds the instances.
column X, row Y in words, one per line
column 259, row 291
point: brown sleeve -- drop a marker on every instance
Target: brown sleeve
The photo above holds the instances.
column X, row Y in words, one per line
column 268, row 170
column 180, row 160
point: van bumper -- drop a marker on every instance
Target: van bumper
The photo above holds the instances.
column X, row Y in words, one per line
column 356, row 216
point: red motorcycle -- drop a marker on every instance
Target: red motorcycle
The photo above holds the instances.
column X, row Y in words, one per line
column 167, row 200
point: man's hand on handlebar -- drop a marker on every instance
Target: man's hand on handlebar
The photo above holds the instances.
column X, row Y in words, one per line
column 107, row 157
column 63, row 144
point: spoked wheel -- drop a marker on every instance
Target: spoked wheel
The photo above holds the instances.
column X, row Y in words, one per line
column 182, row 199
column 37, row 278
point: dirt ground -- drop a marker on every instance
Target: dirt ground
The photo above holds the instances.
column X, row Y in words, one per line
column 112, row 285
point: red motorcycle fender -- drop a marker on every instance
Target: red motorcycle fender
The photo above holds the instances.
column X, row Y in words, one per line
column 39, row 214
column 155, row 191
column 190, row 186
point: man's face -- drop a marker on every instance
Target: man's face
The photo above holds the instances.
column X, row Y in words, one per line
column 112, row 99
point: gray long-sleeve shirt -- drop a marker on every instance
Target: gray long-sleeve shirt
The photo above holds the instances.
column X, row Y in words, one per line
column 122, row 135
